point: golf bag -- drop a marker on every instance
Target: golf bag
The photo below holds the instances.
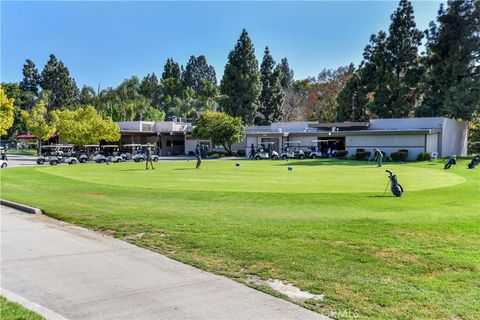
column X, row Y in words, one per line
column 450, row 163
column 474, row 162
column 395, row 187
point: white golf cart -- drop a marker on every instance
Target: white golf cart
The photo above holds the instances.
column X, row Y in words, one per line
column 140, row 156
column 292, row 150
column 316, row 152
column 108, row 153
column 56, row 154
column 130, row 150
column 3, row 159
column 89, row 151
column 265, row 151
column 68, row 154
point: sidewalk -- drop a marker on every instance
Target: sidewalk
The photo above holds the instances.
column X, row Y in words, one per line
column 79, row 274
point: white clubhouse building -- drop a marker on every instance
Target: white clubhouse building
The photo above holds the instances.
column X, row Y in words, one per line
column 443, row 136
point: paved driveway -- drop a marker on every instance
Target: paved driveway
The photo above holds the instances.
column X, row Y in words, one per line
column 79, row 274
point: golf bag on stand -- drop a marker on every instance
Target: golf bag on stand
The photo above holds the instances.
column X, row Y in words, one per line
column 474, row 162
column 395, row 187
column 451, row 162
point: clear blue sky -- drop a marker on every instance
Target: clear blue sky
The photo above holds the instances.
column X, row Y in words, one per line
column 106, row 42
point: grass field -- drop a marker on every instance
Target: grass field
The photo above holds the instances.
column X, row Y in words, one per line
column 325, row 226
column 13, row 311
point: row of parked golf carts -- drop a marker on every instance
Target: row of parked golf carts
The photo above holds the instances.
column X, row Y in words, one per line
column 291, row 150
column 56, row 154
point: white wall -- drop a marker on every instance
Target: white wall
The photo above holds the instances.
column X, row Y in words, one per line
column 406, row 123
column 415, row 144
column 432, row 143
column 454, row 138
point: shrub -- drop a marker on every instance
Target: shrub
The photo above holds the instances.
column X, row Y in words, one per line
column 399, row 156
column 191, row 153
column 351, row 157
column 341, row 154
column 360, row 150
column 474, row 147
column 424, row 156
column 362, row 155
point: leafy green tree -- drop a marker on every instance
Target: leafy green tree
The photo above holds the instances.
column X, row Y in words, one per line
column 85, row 126
column 153, row 114
column 221, row 128
column 56, row 79
column 241, row 81
column 23, row 100
column 6, row 112
column 287, row 74
column 39, row 122
column 31, row 78
column 272, row 95
column 452, row 77
column 197, row 73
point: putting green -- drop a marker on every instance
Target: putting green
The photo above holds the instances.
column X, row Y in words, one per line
column 308, row 176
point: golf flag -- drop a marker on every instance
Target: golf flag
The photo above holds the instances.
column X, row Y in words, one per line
column 237, row 164
column 290, row 169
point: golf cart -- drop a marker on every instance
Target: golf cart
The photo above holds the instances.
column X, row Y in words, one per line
column 89, row 151
column 140, row 156
column 292, row 151
column 108, row 153
column 265, row 151
column 68, row 154
column 56, row 154
column 3, row 158
column 130, row 150
column 315, row 150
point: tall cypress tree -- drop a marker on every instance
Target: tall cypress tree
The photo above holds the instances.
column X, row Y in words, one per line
column 403, row 59
column 391, row 66
column 31, row 78
column 452, row 77
column 272, row 95
column 197, row 73
column 171, row 70
column 241, row 81
column 62, row 88
column 287, row 74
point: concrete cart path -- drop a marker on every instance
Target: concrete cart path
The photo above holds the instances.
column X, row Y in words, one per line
column 80, row 274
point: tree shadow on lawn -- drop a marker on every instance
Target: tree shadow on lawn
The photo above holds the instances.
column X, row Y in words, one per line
column 323, row 162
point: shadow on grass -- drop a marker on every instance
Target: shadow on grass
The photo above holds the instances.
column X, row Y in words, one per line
column 382, row 196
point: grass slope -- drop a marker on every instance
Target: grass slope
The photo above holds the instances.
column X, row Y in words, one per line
column 324, row 227
column 14, row 311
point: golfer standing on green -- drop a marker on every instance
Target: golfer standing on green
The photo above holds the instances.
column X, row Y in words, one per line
column 199, row 156
column 148, row 155
column 379, row 157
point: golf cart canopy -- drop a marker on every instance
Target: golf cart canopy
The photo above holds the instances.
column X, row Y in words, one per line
column 293, row 142
column 91, row 146
column 110, row 146
column 318, row 141
column 132, row 145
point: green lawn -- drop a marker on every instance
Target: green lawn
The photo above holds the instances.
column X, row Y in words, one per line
column 324, row 227
column 13, row 311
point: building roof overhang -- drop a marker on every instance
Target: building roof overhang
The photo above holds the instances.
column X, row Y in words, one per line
column 340, row 125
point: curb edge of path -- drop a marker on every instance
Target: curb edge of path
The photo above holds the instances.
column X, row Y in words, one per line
column 21, row 207
column 30, row 305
